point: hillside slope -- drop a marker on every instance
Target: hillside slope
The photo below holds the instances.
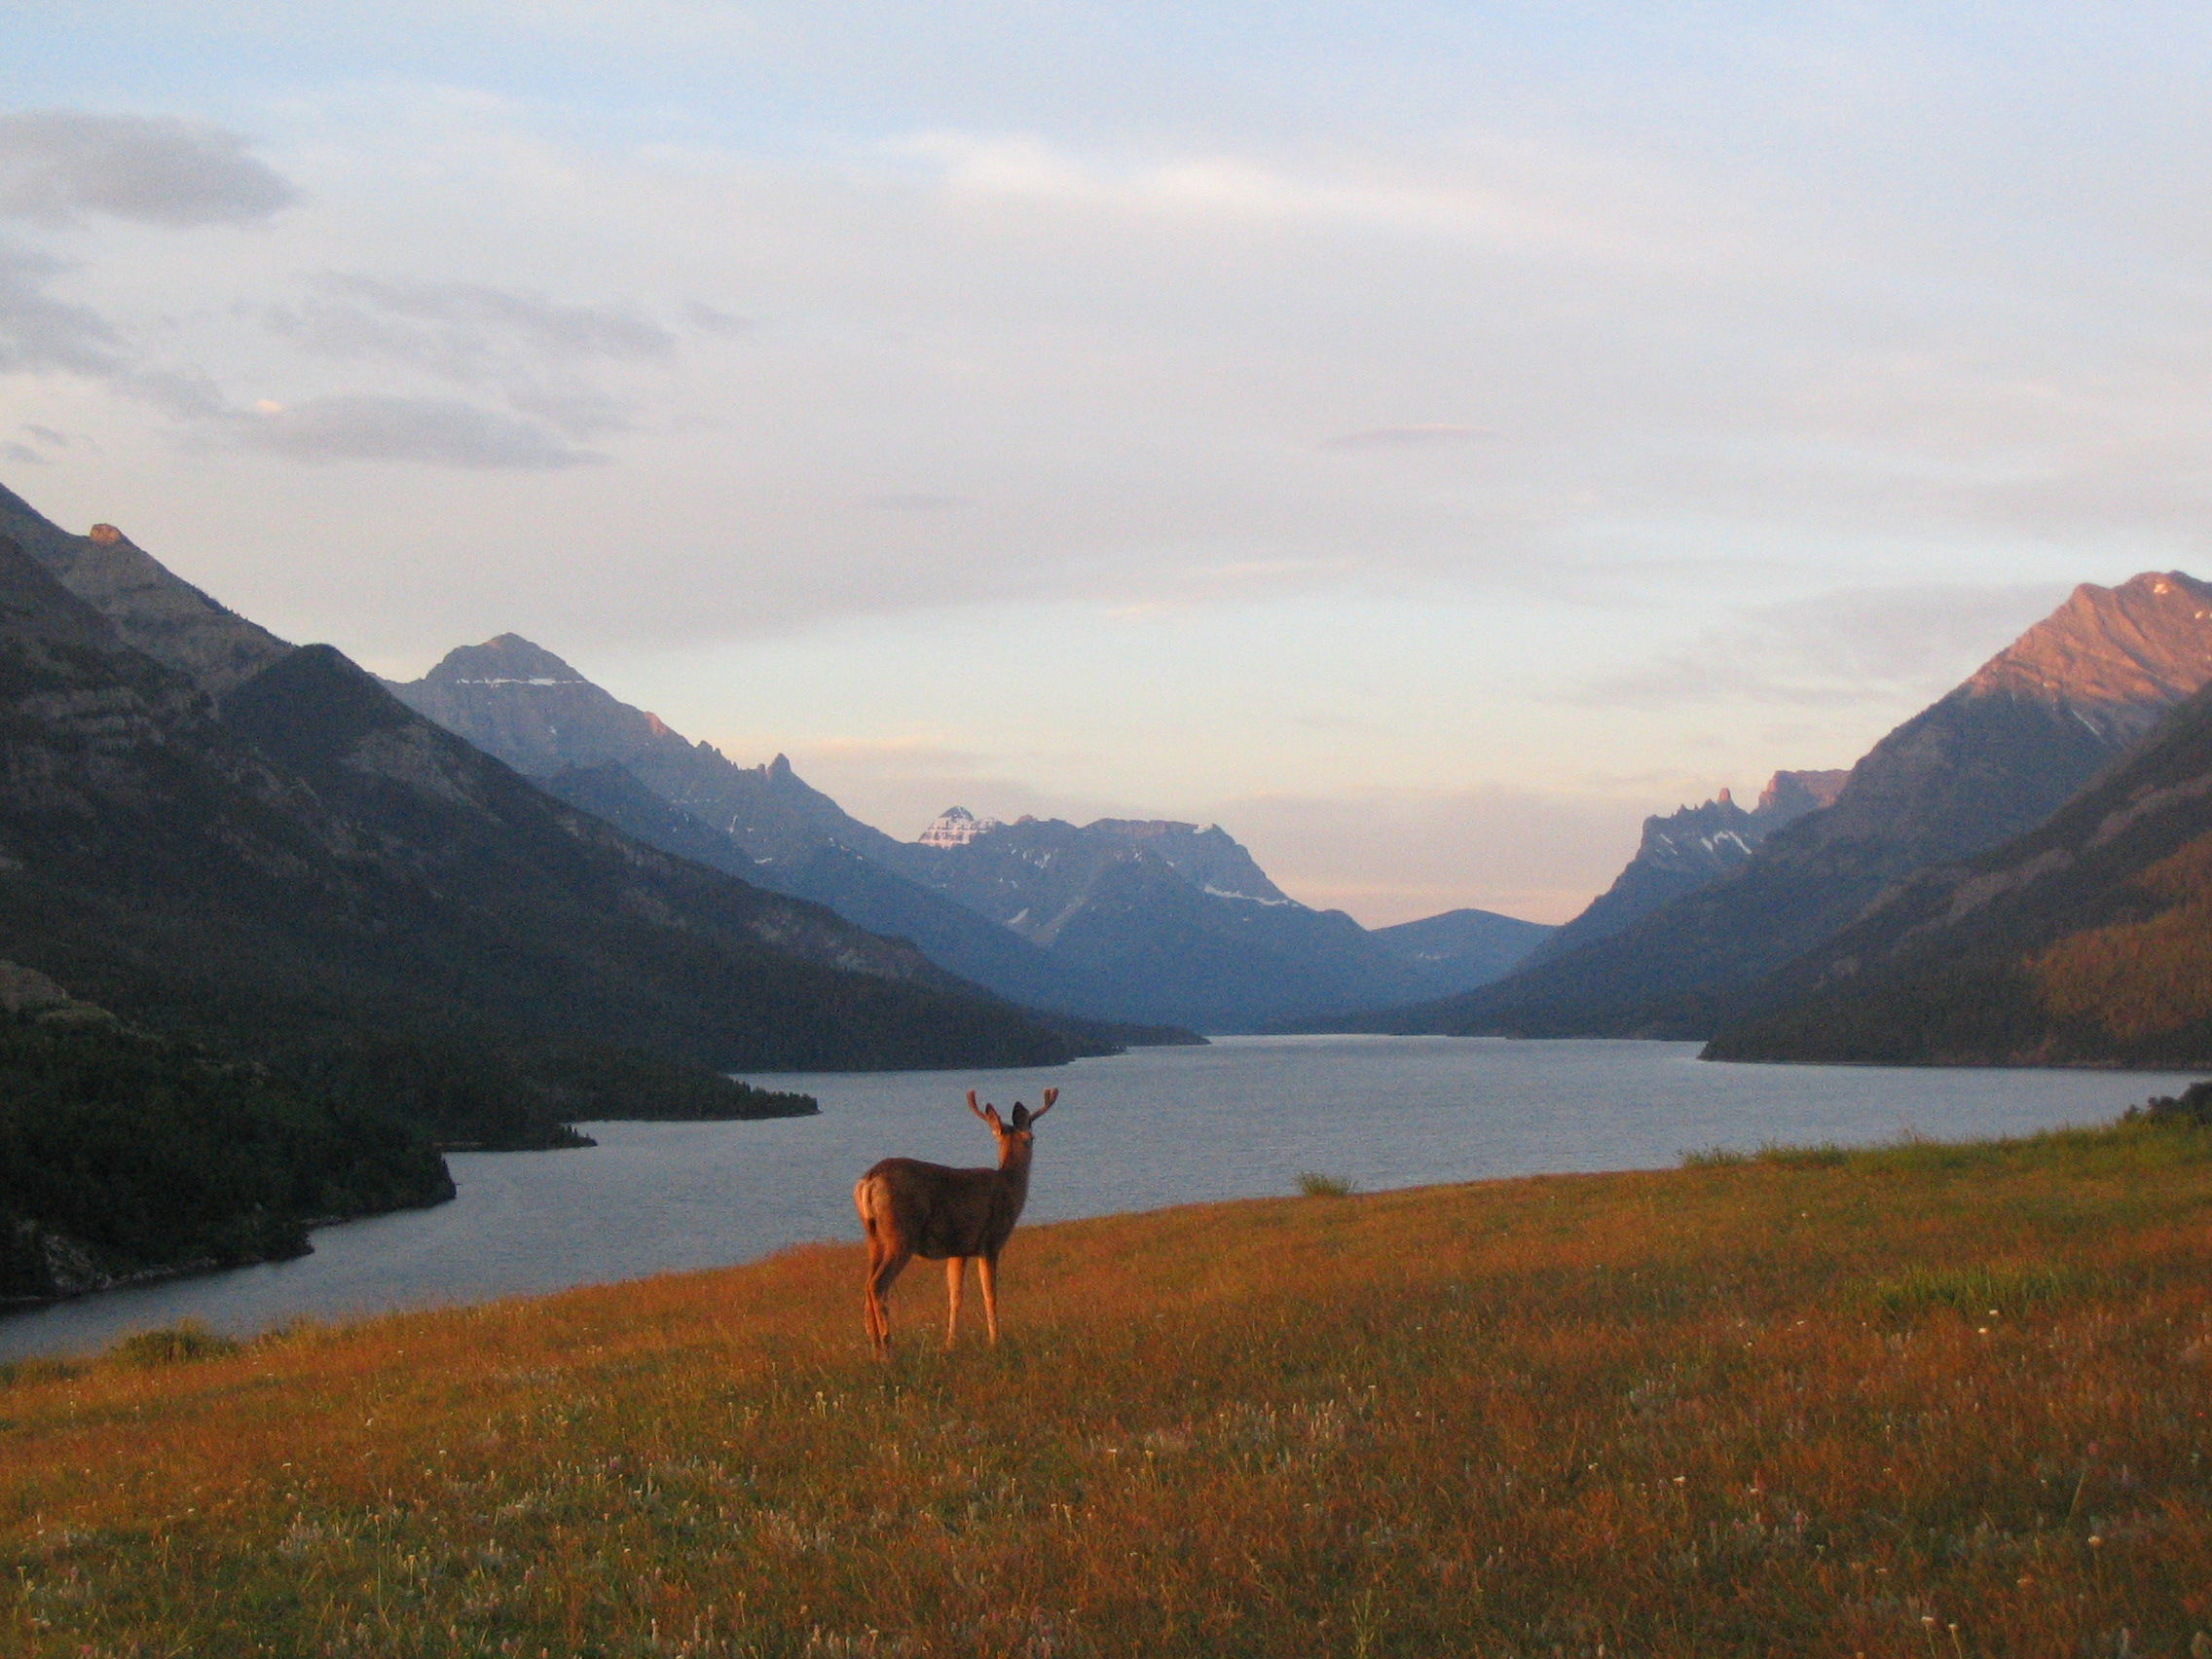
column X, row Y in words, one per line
column 2087, row 940
column 1991, row 760
column 123, row 1155
column 1802, row 1404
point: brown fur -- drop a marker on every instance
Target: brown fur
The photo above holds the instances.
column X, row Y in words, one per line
column 909, row 1208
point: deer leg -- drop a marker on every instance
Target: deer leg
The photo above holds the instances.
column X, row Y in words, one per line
column 956, row 1266
column 882, row 1272
column 867, row 1300
column 987, row 1273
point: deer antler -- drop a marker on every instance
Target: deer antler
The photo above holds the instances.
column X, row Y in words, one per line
column 973, row 1107
column 1051, row 1095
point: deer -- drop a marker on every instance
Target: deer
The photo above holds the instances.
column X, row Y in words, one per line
column 909, row 1208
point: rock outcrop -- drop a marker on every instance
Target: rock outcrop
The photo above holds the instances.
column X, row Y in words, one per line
column 1689, row 848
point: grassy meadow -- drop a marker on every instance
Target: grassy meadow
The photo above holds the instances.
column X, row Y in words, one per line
column 1921, row 1401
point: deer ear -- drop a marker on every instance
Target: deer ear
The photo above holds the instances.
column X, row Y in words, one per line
column 1023, row 1116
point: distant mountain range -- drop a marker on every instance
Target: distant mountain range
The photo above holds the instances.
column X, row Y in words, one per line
column 1157, row 923
column 218, row 836
column 1989, row 761
column 1178, row 922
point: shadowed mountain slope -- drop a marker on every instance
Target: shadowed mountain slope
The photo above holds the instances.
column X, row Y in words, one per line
column 2087, row 940
column 1472, row 945
column 316, row 874
column 1988, row 761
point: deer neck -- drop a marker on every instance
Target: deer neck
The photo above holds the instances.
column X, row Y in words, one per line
column 1014, row 1169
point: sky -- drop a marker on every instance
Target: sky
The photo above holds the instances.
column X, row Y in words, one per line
column 1423, row 438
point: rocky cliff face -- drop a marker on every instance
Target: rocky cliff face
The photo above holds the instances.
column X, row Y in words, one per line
column 1690, row 848
column 2114, row 660
column 1990, row 761
column 1789, row 795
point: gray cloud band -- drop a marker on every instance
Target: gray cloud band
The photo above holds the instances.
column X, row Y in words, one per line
column 58, row 165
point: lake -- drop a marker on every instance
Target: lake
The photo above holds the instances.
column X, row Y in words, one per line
column 1242, row 1118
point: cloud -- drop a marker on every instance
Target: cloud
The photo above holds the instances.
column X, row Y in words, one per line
column 711, row 319
column 39, row 333
column 464, row 331
column 440, row 431
column 529, row 347
column 58, row 165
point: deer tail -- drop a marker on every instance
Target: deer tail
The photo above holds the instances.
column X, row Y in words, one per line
column 867, row 1198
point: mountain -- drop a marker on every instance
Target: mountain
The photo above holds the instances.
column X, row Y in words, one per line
column 1470, row 946
column 1178, row 923
column 2088, row 940
column 307, row 871
column 1148, row 925
column 148, row 607
column 520, row 702
column 1690, row 848
column 1988, row 761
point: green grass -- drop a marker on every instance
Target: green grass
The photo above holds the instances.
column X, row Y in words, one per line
column 1747, row 1408
column 173, row 1344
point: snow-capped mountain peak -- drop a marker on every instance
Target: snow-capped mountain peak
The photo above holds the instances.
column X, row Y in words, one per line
column 956, row 827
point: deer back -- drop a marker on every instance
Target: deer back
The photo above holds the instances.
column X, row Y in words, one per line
column 938, row 1211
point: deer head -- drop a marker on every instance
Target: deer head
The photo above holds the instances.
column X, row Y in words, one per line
column 1015, row 1139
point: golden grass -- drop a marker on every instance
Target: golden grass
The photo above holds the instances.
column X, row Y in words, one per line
column 1751, row 1407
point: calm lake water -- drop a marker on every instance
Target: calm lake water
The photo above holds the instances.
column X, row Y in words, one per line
column 1243, row 1117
